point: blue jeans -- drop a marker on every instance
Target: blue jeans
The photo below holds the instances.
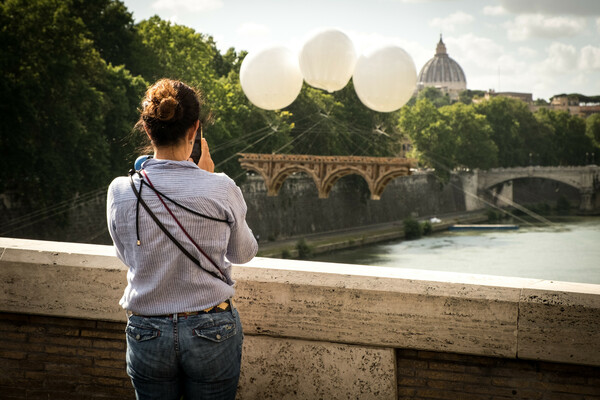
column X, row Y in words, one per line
column 197, row 357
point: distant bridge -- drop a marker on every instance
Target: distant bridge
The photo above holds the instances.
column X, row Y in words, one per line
column 326, row 170
column 586, row 179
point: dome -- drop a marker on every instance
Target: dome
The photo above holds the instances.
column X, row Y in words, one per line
column 442, row 72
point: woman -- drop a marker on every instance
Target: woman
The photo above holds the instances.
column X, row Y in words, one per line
column 177, row 226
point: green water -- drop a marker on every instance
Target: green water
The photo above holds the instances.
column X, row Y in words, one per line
column 568, row 250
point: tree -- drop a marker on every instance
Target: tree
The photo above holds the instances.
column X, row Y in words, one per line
column 435, row 96
column 467, row 96
column 110, row 26
column 472, row 135
column 569, row 142
column 61, row 102
column 592, row 129
column 431, row 135
column 512, row 127
column 179, row 52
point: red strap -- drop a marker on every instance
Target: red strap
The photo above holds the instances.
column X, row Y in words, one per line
column 181, row 226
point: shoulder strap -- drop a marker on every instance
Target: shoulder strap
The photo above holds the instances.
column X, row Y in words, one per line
column 166, row 231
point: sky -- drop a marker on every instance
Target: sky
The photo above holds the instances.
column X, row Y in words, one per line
column 543, row 47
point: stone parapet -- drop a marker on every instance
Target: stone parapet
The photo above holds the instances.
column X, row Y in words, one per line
column 313, row 330
column 360, row 305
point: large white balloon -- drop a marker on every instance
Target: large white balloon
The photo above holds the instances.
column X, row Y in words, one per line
column 385, row 79
column 271, row 78
column 327, row 60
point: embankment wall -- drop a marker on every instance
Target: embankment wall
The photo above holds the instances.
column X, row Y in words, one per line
column 296, row 210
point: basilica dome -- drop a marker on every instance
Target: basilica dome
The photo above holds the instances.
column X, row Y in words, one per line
column 443, row 73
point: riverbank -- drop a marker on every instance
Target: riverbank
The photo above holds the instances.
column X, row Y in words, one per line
column 325, row 242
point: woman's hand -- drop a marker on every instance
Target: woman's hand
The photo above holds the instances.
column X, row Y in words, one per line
column 206, row 163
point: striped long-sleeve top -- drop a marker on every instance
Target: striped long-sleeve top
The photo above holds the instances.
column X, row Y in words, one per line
column 161, row 279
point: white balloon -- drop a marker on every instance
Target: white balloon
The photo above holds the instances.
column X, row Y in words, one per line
column 327, row 60
column 271, row 78
column 385, row 79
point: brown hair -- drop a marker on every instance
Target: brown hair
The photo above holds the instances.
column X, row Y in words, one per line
column 169, row 109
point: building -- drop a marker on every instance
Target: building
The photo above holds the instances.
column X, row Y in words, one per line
column 443, row 73
column 524, row 97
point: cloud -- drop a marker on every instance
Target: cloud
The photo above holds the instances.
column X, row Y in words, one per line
column 561, row 58
column 481, row 52
column 552, row 7
column 494, row 10
column 425, row 1
column 598, row 24
column 253, row 30
column 449, row 23
column 193, row 6
column 589, row 58
column 365, row 42
column 538, row 26
column 527, row 52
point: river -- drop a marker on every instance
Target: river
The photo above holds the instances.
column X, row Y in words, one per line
column 567, row 250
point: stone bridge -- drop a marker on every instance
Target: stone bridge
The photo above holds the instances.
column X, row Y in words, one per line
column 586, row 179
column 326, row 170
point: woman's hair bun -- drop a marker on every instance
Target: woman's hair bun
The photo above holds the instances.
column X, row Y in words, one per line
column 167, row 109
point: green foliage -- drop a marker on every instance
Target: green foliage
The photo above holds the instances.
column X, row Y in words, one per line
column 435, row 96
column 449, row 137
column 304, row 250
column 512, row 129
column 568, row 142
column 500, row 132
column 592, row 130
column 427, row 129
column 472, row 134
column 60, row 111
column 412, row 229
column 427, row 228
column 286, row 254
column 467, row 96
column 75, row 71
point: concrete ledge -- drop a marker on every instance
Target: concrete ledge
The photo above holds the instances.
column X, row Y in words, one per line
column 335, row 303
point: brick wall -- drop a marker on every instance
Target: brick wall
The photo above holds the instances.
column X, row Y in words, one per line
column 64, row 358
column 434, row 375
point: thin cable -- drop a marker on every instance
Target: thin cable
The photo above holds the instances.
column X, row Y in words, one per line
column 65, row 203
column 297, row 137
column 244, row 149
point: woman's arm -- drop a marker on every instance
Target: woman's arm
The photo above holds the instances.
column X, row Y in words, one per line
column 242, row 246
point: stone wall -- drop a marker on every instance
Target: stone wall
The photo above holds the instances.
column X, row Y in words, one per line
column 297, row 210
column 313, row 330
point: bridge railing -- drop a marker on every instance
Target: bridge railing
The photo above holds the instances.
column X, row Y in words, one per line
column 313, row 329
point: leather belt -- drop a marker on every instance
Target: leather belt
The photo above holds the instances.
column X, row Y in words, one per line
column 224, row 306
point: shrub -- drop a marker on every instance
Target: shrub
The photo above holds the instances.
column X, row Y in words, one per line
column 304, row 250
column 412, row 229
column 427, row 228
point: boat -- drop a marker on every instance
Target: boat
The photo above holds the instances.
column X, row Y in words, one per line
column 468, row 227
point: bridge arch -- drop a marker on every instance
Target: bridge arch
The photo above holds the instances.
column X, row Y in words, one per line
column 584, row 179
column 329, row 181
column 276, row 181
column 490, row 183
column 382, row 182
